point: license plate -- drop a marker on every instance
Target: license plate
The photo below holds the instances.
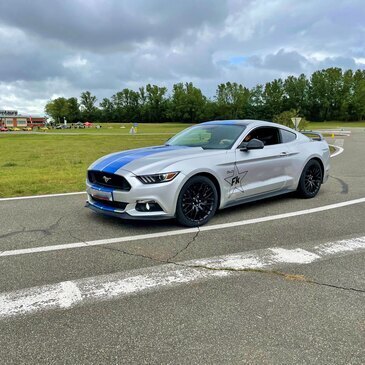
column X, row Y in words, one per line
column 101, row 195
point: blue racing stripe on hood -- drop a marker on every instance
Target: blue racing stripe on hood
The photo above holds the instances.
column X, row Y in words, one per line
column 113, row 163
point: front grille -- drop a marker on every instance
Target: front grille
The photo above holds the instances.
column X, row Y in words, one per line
column 112, row 204
column 109, row 180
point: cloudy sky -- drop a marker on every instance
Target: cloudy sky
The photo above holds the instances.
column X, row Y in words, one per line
column 63, row 47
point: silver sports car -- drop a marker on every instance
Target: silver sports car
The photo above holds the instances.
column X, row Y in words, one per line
column 206, row 167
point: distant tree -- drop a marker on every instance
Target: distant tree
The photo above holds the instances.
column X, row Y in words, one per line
column 57, row 109
column 126, row 105
column 329, row 94
column 256, row 105
column 232, row 101
column 107, row 111
column 273, row 98
column 72, row 110
column 296, row 93
column 187, row 103
column 358, row 98
column 155, row 108
column 325, row 94
column 87, row 105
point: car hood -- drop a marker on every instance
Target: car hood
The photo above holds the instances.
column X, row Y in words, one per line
column 149, row 160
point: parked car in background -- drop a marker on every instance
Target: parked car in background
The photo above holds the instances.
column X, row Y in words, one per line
column 4, row 129
column 63, row 126
column 43, row 129
column 14, row 129
column 27, row 129
column 206, row 167
column 78, row 125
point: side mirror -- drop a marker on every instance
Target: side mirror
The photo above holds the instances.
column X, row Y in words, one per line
column 254, row 144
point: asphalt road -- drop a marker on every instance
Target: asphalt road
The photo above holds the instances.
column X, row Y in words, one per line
column 137, row 301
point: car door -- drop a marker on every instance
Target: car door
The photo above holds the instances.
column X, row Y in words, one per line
column 261, row 171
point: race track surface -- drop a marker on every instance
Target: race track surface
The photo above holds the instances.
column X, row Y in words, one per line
column 251, row 287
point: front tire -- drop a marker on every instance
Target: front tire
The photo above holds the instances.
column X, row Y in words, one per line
column 310, row 180
column 197, row 202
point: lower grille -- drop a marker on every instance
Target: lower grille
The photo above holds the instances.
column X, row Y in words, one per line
column 109, row 180
column 112, row 204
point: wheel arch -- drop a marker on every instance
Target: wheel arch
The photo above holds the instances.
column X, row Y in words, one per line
column 320, row 164
column 214, row 181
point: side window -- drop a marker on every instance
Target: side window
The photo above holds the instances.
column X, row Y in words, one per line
column 287, row 136
column 268, row 135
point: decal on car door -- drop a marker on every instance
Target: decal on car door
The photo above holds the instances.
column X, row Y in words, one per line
column 235, row 180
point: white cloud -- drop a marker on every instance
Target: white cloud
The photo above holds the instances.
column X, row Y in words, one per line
column 75, row 62
column 103, row 47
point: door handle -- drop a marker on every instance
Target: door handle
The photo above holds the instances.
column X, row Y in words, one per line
column 283, row 154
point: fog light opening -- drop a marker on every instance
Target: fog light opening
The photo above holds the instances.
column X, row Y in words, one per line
column 148, row 206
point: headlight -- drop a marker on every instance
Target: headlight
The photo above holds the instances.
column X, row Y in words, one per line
column 157, row 178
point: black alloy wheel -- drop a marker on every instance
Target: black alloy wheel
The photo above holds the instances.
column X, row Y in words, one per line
column 310, row 180
column 197, row 202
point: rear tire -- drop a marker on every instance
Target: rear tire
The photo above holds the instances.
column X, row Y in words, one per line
column 310, row 180
column 197, row 202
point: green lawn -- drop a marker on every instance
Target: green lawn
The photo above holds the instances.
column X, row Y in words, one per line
column 335, row 124
column 46, row 163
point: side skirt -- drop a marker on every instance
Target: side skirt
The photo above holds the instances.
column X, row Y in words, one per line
column 257, row 197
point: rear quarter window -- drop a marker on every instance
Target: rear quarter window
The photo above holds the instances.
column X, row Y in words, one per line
column 287, row 136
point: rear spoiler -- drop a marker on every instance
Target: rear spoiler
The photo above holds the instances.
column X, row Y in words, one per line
column 315, row 136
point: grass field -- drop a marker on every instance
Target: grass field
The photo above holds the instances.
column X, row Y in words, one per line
column 335, row 124
column 54, row 163
column 56, row 160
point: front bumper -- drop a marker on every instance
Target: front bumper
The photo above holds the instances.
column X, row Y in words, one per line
column 124, row 215
column 164, row 194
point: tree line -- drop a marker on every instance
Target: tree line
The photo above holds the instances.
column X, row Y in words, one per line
column 329, row 94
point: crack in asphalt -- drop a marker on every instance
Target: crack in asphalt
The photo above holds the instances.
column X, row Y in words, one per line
column 117, row 250
column 287, row 276
column 186, row 246
column 169, row 260
column 337, row 286
column 45, row 231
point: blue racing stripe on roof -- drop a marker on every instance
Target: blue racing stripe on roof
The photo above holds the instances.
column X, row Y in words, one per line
column 113, row 163
column 223, row 122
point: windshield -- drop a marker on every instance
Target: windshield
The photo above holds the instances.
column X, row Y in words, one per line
column 218, row 136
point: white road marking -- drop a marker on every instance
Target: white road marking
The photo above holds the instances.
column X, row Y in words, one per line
column 147, row 236
column 297, row 256
column 336, row 132
column 341, row 246
column 339, row 150
column 70, row 294
column 107, row 287
column 42, row 196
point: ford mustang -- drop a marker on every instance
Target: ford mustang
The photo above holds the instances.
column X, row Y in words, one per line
column 209, row 166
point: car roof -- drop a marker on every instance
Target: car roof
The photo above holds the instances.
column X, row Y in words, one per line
column 244, row 122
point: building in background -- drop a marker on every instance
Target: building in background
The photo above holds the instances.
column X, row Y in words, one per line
column 11, row 118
